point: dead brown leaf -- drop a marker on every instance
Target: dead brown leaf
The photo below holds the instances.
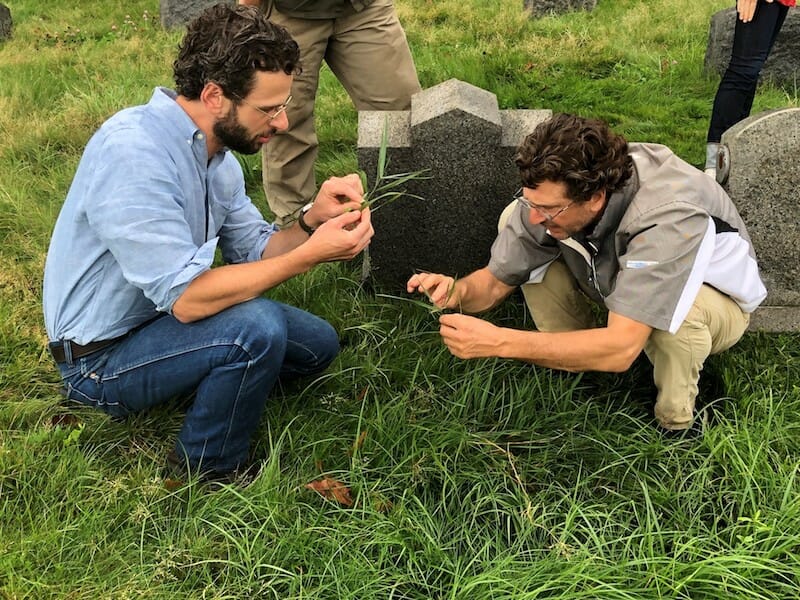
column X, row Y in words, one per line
column 173, row 484
column 66, row 421
column 331, row 489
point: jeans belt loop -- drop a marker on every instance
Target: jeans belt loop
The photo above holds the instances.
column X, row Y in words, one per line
column 68, row 351
column 67, row 345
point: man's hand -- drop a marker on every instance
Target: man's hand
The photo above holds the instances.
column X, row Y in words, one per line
column 470, row 337
column 336, row 196
column 747, row 9
column 342, row 237
column 440, row 289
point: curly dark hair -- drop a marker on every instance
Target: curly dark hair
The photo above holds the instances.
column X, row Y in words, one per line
column 227, row 45
column 582, row 153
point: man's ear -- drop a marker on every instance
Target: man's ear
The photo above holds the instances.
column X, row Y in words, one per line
column 597, row 202
column 214, row 99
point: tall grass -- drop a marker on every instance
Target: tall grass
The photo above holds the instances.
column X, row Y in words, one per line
column 479, row 479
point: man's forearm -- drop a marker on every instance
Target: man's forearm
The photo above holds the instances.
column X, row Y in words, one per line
column 612, row 348
column 284, row 241
column 585, row 350
column 478, row 292
column 223, row 287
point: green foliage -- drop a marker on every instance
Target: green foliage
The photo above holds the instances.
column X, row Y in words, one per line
column 387, row 188
column 474, row 479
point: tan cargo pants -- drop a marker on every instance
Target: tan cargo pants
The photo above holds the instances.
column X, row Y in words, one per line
column 369, row 54
column 714, row 323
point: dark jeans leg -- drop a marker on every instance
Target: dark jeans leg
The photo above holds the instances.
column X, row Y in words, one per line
column 230, row 360
column 752, row 43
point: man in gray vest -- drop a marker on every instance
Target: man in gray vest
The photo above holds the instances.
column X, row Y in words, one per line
column 631, row 227
column 365, row 46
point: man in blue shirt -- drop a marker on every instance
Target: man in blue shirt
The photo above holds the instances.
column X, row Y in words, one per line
column 134, row 310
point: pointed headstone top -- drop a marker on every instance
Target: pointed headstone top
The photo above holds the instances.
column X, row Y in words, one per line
column 465, row 144
column 451, row 96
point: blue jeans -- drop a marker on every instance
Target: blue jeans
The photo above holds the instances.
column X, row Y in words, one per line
column 230, row 361
column 752, row 43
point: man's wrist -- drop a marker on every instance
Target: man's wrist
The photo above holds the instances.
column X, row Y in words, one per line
column 305, row 226
column 453, row 297
column 505, row 341
column 301, row 220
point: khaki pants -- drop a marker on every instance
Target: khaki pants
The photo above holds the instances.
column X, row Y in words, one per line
column 714, row 323
column 368, row 53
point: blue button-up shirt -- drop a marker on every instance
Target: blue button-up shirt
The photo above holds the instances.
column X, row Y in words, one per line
column 143, row 218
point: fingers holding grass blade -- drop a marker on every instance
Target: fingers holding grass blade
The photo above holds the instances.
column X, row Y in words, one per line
column 440, row 289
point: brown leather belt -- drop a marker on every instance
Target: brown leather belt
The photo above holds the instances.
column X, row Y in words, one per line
column 59, row 349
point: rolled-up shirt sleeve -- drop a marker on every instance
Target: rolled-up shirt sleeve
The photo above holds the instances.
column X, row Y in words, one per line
column 243, row 232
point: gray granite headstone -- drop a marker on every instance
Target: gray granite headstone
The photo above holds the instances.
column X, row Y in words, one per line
column 5, row 22
column 545, row 8
column 457, row 131
column 782, row 66
column 177, row 13
column 764, row 183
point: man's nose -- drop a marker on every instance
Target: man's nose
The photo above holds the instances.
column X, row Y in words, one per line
column 281, row 122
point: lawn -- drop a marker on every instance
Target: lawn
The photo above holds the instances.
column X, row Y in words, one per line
column 469, row 479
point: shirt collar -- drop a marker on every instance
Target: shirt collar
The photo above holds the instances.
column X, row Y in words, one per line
column 164, row 101
column 615, row 209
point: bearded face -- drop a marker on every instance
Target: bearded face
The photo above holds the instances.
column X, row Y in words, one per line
column 232, row 134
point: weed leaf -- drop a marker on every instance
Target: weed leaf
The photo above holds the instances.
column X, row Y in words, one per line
column 332, row 489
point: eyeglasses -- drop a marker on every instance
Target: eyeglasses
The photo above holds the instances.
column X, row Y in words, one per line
column 547, row 216
column 273, row 114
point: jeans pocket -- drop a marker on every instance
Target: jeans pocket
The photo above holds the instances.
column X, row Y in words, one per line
column 88, row 386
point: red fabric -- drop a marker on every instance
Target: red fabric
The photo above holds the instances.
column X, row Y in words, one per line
column 788, row 2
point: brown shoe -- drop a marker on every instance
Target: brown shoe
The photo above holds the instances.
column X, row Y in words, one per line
column 177, row 470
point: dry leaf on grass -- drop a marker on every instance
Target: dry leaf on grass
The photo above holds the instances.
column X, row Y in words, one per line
column 173, row 484
column 331, row 489
column 67, row 421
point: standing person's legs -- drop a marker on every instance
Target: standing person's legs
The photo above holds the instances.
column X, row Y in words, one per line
column 370, row 56
column 752, row 43
column 714, row 323
column 368, row 53
column 288, row 158
column 231, row 361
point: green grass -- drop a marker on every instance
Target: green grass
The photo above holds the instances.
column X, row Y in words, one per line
column 480, row 479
